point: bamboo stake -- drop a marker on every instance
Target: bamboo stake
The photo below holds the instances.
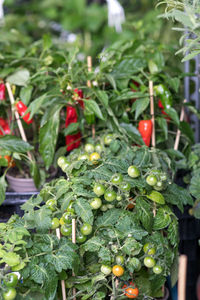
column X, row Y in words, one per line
column 19, row 123
column 74, row 242
column 182, row 273
column 89, row 84
column 153, row 138
column 62, row 281
column 178, row 134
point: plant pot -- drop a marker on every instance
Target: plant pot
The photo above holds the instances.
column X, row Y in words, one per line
column 21, row 185
column 166, row 296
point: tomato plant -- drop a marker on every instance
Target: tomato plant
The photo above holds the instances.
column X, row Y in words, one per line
column 118, row 270
column 131, row 291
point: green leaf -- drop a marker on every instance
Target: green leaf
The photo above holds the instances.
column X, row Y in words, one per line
column 25, row 94
column 42, row 219
column 194, row 187
column 191, row 55
column 103, row 97
column 47, row 42
column 104, row 254
column 133, row 133
column 71, row 129
column 35, row 173
column 161, row 220
column 3, row 185
column 14, row 144
column 92, row 106
column 173, row 232
column 153, row 68
column 162, row 123
column 131, row 247
column 173, row 115
column 11, row 258
column 48, row 138
column 109, row 217
column 83, row 210
column 94, row 244
column 187, row 130
column 36, row 104
column 145, row 214
column 20, row 77
column 139, row 106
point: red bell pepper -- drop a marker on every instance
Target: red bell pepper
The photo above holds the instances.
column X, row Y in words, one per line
column 78, row 95
column 145, row 129
column 2, row 91
column 5, row 126
column 73, row 140
column 22, row 108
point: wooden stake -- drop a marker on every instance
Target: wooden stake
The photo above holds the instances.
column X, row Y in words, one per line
column 182, row 273
column 178, row 134
column 153, row 138
column 74, row 242
column 62, row 281
column 19, row 123
column 89, row 84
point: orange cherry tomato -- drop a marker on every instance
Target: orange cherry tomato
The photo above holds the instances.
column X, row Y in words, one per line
column 118, row 270
column 131, row 291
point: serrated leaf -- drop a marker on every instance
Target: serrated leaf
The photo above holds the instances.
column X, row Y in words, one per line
column 3, row 185
column 131, row 247
column 93, row 244
column 161, row 220
column 109, row 217
column 133, row 133
column 173, row 232
column 39, row 273
column 84, row 210
column 145, row 214
column 42, row 219
column 104, row 254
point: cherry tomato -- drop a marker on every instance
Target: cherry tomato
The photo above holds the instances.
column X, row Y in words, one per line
column 80, row 238
column 66, row 230
column 157, row 269
column 119, row 260
column 104, row 207
column 151, row 180
column 55, row 223
column 105, row 269
column 11, row 280
column 98, row 148
column 118, row 270
column 86, row 229
column 119, row 198
column 61, row 221
column 89, row 148
column 133, row 172
column 67, row 217
column 110, row 195
column 94, row 157
column 117, row 178
column 96, row 203
column 149, row 262
column 108, row 139
column 149, row 249
column 63, row 162
column 84, row 156
column 125, row 186
column 10, row 294
column 51, row 204
column 131, row 291
column 70, row 207
column 109, row 206
column 99, row 189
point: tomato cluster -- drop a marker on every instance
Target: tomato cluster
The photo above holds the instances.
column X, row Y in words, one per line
column 10, row 282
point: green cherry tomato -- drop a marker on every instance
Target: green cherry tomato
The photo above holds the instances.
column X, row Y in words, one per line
column 110, row 195
column 66, row 230
column 133, row 172
column 151, row 180
column 51, row 204
column 117, row 178
column 86, row 229
column 125, row 186
column 104, row 207
column 149, row 262
column 157, row 269
column 67, row 217
column 62, row 162
column 80, row 238
column 108, row 139
column 119, row 198
column 105, row 269
column 70, row 207
column 96, row 203
column 55, row 223
column 119, row 260
column 99, row 189
column 98, row 148
column 84, row 156
column 149, row 249
column 10, row 294
column 11, row 280
column 89, row 148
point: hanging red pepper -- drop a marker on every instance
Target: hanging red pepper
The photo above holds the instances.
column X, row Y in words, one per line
column 5, row 126
column 78, row 95
column 145, row 129
column 22, row 108
column 2, row 91
column 160, row 105
column 72, row 141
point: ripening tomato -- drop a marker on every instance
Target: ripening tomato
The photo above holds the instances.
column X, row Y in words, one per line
column 94, row 157
column 118, row 270
column 131, row 291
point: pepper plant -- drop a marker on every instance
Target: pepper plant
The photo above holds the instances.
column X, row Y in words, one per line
column 126, row 232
